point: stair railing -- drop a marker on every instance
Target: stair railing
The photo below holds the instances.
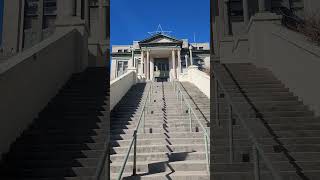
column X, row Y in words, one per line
column 256, row 147
column 184, row 101
column 133, row 143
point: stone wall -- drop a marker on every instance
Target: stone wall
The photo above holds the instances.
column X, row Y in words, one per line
column 29, row 80
column 120, row 86
column 290, row 56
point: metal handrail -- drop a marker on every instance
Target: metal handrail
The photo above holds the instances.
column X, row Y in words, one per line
column 103, row 160
column 257, row 149
column 183, row 98
column 134, row 139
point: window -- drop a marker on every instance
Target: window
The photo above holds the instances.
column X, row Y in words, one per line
column 119, row 50
column 126, row 50
column 122, row 67
column 200, row 48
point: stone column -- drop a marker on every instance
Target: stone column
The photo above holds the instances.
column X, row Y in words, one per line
column 151, row 69
column 191, row 58
column 245, row 11
column 132, row 57
column 116, row 69
column 148, row 65
column 142, row 62
column 186, row 59
column 145, row 67
column 174, row 64
column 226, row 17
column 38, row 29
column 113, row 69
column 262, row 5
column 179, row 62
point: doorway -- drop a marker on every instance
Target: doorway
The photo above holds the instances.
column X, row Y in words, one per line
column 161, row 69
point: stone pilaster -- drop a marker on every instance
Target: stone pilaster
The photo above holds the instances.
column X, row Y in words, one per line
column 142, row 62
column 191, row 58
column 245, row 11
column 151, row 69
column 174, row 64
column 148, row 65
column 262, row 5
column 179, row 63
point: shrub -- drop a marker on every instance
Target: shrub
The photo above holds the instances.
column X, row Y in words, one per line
column 311, row 28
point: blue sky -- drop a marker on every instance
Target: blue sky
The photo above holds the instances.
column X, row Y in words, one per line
column 132, row 20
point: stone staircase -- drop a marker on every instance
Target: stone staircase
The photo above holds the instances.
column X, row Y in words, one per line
column 288, row 132
column 167, row 149
column 68, row 138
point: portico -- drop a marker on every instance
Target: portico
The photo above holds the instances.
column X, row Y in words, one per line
column 158, row 58
column 162, row 63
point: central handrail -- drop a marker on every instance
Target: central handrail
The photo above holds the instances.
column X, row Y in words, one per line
column 133, row 142
column 134, row 138
column 191, row 112
column 257, row 149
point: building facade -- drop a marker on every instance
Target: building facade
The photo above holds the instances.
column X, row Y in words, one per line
column 28, row 22
column 159, row 58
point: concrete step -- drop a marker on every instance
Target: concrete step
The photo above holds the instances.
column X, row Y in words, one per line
column 161, row 148
column 161, row 166
column 176, row 175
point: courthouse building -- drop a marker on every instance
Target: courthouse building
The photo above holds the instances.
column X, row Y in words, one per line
column 159, row 57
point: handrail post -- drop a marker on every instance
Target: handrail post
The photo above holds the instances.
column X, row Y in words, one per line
column 181, row 101
column 134, row 171
column 256, row 163
column 230, row 135
column 217, row 102
column 190, row 119
column 207, row 155
column 143, row 124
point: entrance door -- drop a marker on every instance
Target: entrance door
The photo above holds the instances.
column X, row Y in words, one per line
column 161, row 69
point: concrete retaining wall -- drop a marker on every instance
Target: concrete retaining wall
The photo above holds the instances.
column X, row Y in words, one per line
column 291, row 57
column 29, row 80
column 198, row 78
column 120, row 86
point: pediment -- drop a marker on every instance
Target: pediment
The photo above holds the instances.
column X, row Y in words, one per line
column 160, row 38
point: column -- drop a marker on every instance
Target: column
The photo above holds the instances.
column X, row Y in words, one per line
column 226, row 17
column 142, row 62
column 179, row 62
column 132, row 57
column 38, row 29
column 245, row 12
column 148, row 65
column 186, row 59
column 86, row 14
column 262, row 5
column 191, row 58
column 151, row 69
column 116, row 68
column 174, row 64
column 145, row 67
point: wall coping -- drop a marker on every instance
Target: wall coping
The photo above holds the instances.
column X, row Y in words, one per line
column 121, row 77
column 296, row 39
column 263, row 17
column 21, row 57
